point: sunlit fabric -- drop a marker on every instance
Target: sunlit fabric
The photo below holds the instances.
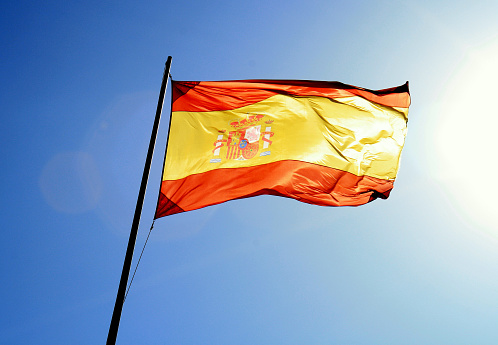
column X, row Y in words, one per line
column 324, row 143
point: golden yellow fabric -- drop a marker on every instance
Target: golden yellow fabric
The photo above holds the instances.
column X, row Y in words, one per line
column 351, row 134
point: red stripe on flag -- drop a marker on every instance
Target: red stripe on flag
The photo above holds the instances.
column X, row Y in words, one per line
column 226, row 95
column 306, row 182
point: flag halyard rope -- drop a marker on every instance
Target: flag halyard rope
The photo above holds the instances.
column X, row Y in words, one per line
column 138, row 262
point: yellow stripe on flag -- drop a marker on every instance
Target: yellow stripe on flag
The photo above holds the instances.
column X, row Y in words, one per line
column 350, row 134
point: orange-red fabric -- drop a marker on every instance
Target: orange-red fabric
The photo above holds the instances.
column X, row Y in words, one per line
column 242, row 93
column 306, row 182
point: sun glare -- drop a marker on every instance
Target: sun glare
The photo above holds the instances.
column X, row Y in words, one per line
column 467, row 135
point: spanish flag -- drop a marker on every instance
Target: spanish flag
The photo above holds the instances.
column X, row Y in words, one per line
column 323, row 143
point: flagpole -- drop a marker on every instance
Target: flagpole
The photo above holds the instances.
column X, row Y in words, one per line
column 118, row 306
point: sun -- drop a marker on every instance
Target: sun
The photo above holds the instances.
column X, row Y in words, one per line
column 466, row 137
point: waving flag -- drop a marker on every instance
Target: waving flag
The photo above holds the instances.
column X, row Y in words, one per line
column 324, row 143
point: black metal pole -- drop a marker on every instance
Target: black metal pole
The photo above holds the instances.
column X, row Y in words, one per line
column 118, row 306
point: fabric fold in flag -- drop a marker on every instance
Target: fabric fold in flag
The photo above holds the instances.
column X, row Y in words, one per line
column 323, row 143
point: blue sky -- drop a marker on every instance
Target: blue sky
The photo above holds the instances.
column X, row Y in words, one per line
column 79, row 88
